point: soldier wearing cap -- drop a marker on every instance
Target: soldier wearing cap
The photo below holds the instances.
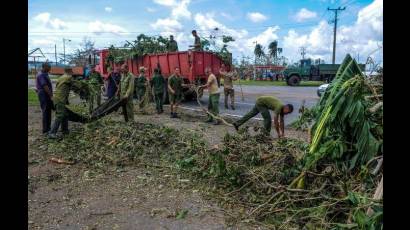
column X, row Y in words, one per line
column 141, row 85
column 126, row 91
column 63, row 86
column 96, row 81
column 172, row 45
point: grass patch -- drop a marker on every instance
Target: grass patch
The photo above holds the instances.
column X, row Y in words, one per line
column 32, row 97
column 278, row 83
column 31, row 76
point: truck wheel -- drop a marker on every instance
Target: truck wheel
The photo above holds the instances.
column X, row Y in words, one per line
column 293, row 80
column 318, row 93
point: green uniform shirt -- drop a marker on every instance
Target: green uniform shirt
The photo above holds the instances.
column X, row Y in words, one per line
column 270, row 102
column 197, row 44
column 227, row 80
column 95, row 79
column 140, row 83
column 127, row 85
column 176, row 83
column 158, row 83
column 63, row 87
column 172, row 46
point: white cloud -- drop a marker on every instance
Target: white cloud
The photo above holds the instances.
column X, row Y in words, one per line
column 167, row 25
column 227, row 16
column 56, row 23
column 363, row 37
column 150, row 10
column 108, row 9
column 305, row 14
column 180, row 10
column 165, row 2
column 256, row 17
column 99, row 27
column 264, row 38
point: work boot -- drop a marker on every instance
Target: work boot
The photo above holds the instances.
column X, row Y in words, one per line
column 176, row 115
column 236, row 126
column 233, row 107
column 52, row 136
column 226, row 107
column 172, row 115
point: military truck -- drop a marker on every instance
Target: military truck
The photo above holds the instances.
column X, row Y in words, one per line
column 311, row 72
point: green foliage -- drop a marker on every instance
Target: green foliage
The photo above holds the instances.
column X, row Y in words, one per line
column 32, row 97
column 344, row 129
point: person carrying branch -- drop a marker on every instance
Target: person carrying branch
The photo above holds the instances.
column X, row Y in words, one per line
column 214, row 94
column 228, row 85
column 263, row 105
column 64, row 85
column 158, row 84
column 126, row 91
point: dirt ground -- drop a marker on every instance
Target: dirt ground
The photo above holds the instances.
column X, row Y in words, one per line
column 73, row 197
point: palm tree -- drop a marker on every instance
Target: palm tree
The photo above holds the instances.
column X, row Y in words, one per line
column 259, row 53
column 273, row 49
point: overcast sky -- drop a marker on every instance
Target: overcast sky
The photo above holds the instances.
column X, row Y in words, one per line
column 292, row 23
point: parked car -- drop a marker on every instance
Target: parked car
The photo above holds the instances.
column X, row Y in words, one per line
column 321, row 89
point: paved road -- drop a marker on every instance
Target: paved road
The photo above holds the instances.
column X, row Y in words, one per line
column 291, row 95
column 288, row 95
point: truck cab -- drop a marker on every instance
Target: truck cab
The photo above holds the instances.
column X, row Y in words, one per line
column 294, row 74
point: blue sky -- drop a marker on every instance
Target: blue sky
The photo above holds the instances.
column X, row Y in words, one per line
column 292, row 23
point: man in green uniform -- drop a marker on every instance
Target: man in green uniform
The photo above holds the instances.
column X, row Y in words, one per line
column 228, row 86
column 63, row 86
column 140, row 85
column 96, row 81
column 197, row 43
column 263, row 105
column 172, row 45
column 158, row 83
column 126, row 91
column 214, row 94
column 175, row 84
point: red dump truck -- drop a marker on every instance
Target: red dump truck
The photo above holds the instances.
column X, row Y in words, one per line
column 191, row 64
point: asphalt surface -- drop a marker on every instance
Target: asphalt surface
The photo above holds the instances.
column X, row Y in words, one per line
column 288, row 95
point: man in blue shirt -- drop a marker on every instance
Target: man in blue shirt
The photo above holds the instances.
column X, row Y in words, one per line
column 113, row 82
column 45, row 95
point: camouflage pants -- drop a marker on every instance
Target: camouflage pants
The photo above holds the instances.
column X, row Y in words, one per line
column 231, row 93
column 95, row 99
column 61, row 118
column 128, row 110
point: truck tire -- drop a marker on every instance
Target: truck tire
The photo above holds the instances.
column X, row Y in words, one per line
column 293, row 80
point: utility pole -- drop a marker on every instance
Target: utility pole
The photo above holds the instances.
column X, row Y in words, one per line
column 55, row 52
column 334, row 31
column 303, row 52
column 64, row 47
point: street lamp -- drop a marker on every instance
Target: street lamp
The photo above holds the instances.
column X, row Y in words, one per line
column 64, row 47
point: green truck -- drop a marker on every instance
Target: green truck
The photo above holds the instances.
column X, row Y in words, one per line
column 310, row 72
